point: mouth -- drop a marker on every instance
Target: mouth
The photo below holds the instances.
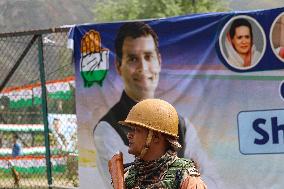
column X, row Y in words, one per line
column 143, row 78
column 244, row 46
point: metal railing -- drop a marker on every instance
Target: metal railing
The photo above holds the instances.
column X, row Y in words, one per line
column 38, row 130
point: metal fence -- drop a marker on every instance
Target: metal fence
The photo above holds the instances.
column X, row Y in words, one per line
column 38, row 130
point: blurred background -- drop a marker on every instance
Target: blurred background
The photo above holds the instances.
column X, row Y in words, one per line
column 19, row 15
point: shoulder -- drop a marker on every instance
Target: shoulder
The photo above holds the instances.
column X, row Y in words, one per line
column 128, row 168
column 104, row 129
column 110, row 118
column 186, row 165
column 117, row 113
column 129, row 175
column 17, row 145
column 183, row 163
column 111, row 113
column 120, row 109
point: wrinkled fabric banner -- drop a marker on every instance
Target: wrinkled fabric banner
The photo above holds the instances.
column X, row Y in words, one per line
column 234, row 103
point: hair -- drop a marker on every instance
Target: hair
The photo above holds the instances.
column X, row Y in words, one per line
column 15, row 136
column 237, row 23
column 173, row 143
column 56, row 121
column 134, row 30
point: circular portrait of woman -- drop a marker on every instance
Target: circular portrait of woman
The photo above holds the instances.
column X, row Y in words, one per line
column 281, row 90
column 242, row 42
column 277, row 36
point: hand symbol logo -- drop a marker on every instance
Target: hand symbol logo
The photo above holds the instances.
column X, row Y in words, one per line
column 94, row 59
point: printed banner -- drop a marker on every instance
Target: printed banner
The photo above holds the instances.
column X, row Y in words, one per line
column 224, row 74
column 30, row 95
column 32, row 164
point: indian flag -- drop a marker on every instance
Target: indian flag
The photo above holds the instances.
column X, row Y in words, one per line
column 72, row 83
column 35, row 150
column 36, row 95
column 20, row 98
column 29, row 95
column 59, row 90
column 21, row 128
column 32, row 164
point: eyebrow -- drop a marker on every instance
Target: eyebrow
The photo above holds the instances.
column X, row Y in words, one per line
column 131, row 54
column 243, row 35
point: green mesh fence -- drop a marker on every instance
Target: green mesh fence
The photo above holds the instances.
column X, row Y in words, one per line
column 38, row 127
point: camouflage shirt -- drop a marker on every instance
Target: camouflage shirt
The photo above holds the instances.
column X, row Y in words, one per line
column 167, row 172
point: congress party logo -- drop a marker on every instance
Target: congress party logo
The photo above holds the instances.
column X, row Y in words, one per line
column 94, row 62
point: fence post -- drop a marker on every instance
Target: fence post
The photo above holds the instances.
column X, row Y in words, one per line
column 44, row 109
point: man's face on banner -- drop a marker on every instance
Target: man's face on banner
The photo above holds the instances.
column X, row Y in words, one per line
column 242, row 40
column 140, row 67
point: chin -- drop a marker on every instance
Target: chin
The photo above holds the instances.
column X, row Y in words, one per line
column 243, row 51
column 148, row 90
column 130, row 151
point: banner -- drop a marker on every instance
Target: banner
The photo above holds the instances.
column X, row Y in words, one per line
column 32, row 164
column 224, row 74
column 30, row 95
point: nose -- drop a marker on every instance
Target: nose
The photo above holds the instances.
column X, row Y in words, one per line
column 245, row 40
column 143, row 65
column 129, row 135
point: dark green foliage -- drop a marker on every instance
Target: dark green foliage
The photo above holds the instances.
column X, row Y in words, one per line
column 111, row 10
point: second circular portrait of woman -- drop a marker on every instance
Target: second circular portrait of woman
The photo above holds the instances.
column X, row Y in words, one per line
column 242, row 42
column 277, row 37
